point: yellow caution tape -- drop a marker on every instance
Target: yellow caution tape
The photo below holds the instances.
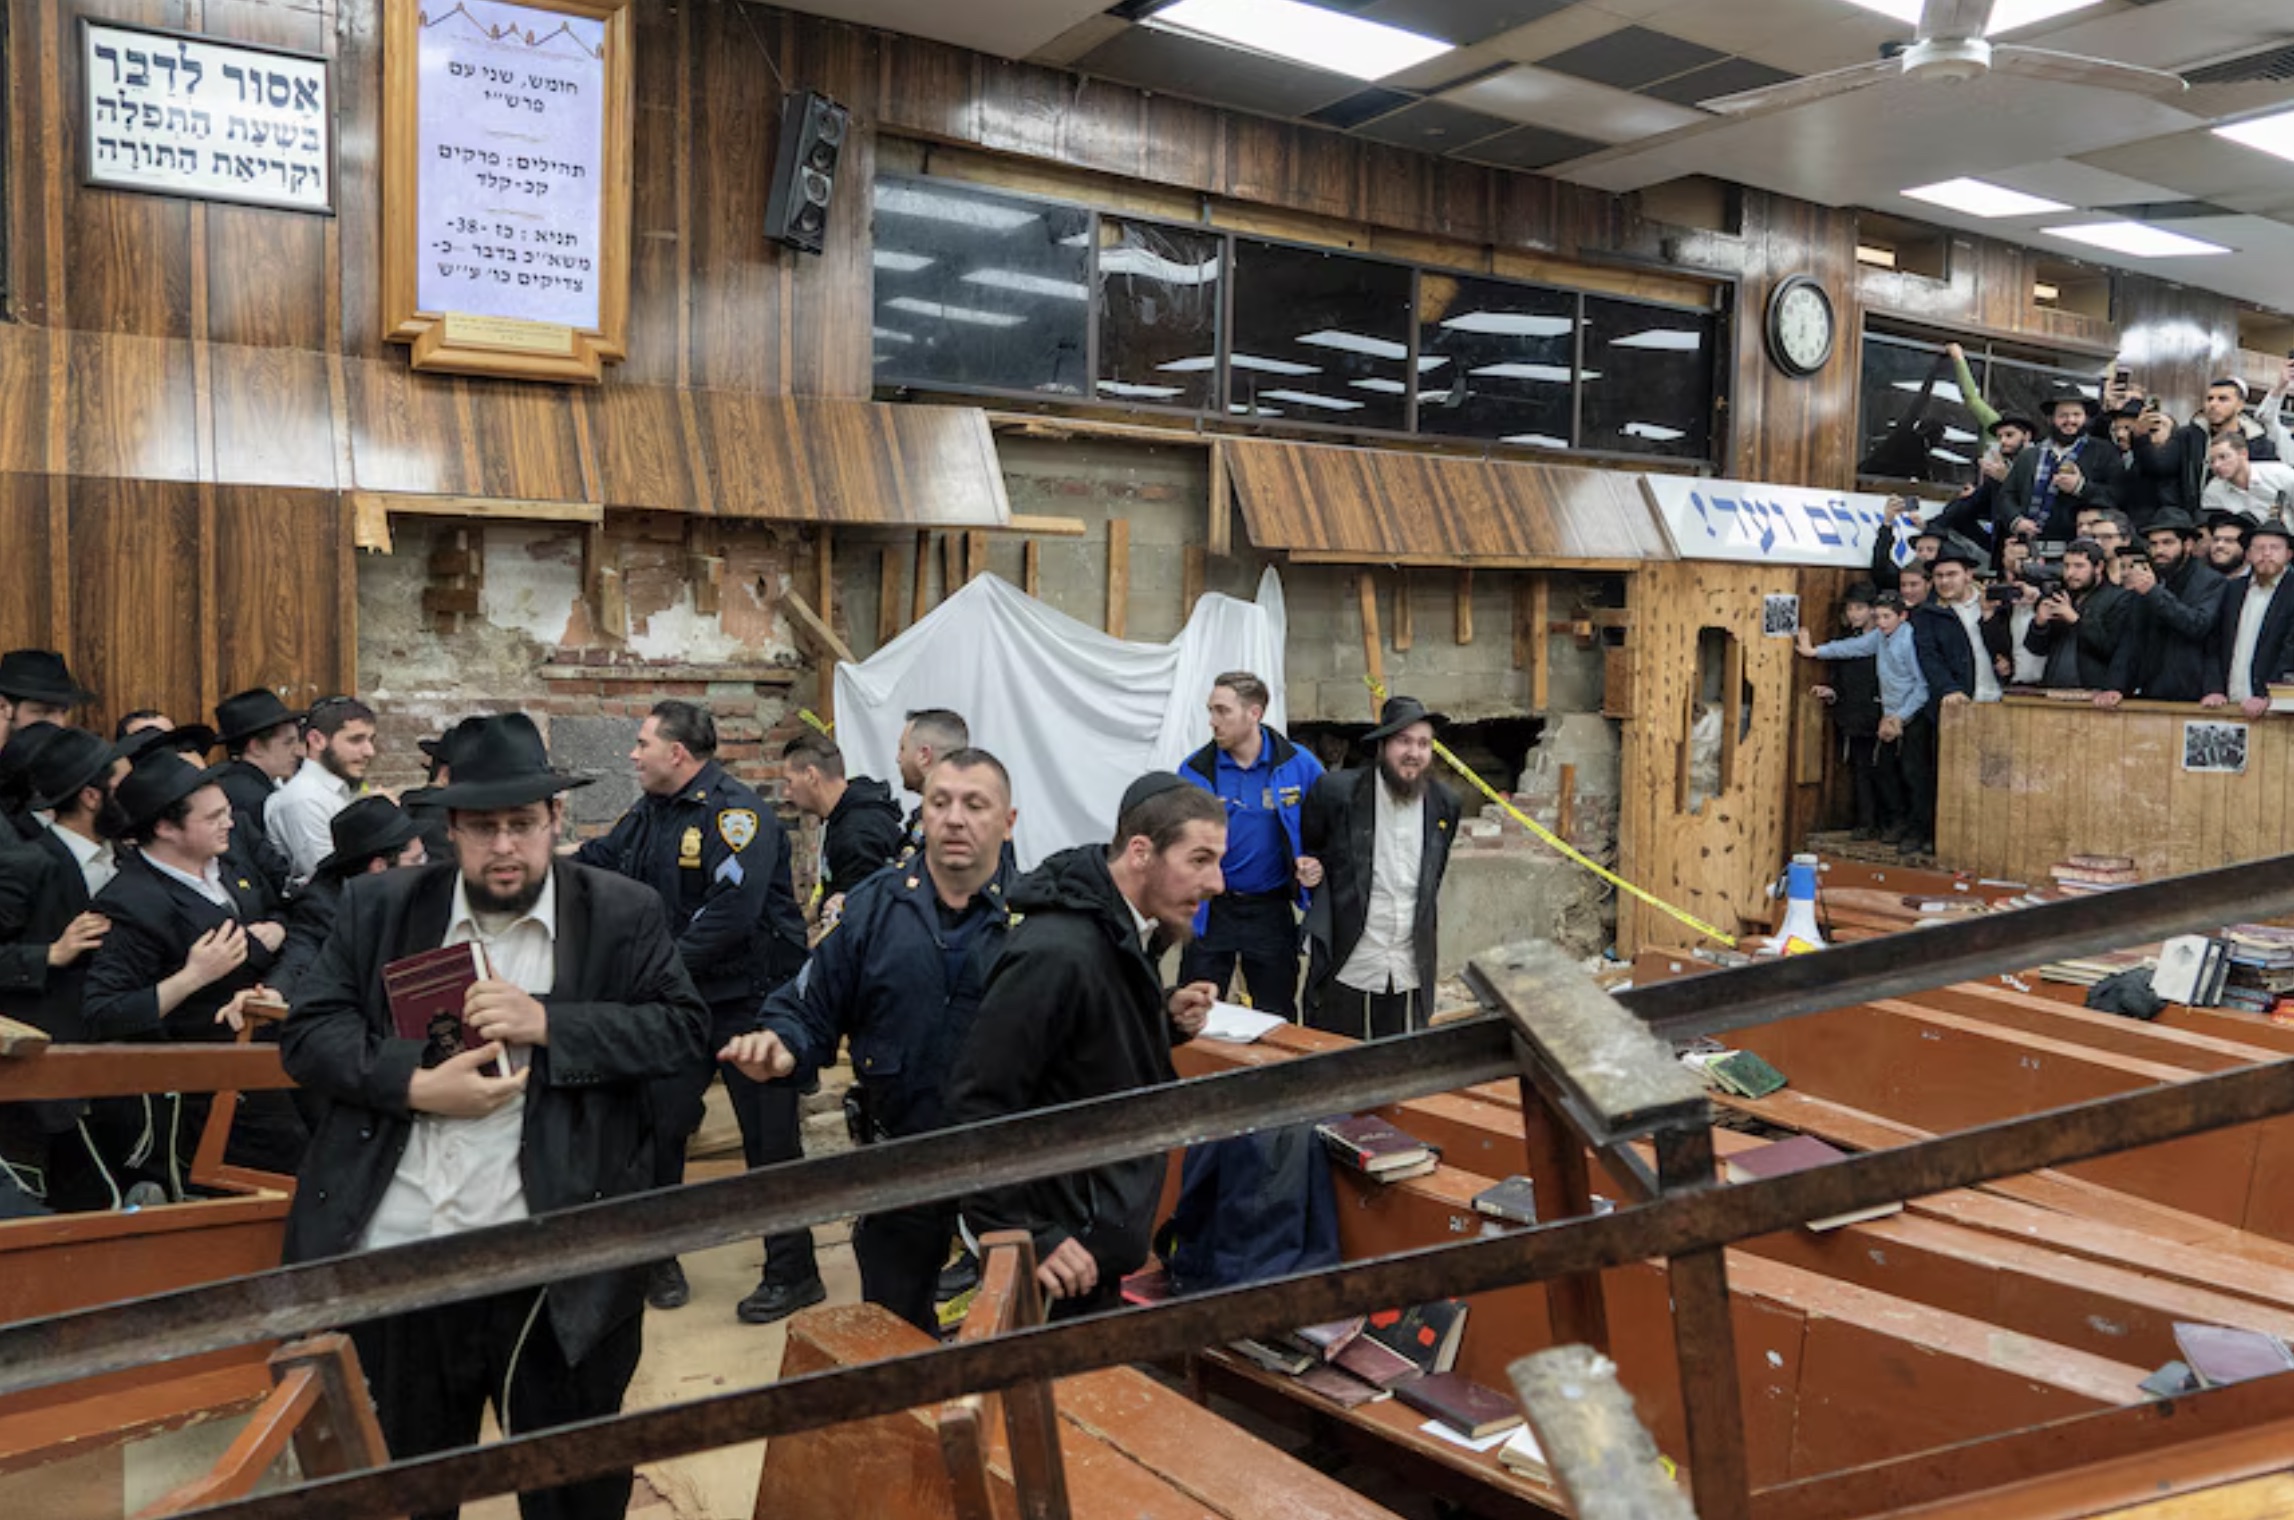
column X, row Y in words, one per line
column 814, row 719
column 1567, row 850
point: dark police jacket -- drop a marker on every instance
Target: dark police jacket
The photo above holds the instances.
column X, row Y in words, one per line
column 155, row 921
column 862, row 835
column 881, row 978
column 1073, row 1010
column 719, row 860
column 1339, row 827
column 622, row 1012
column 2162, row 645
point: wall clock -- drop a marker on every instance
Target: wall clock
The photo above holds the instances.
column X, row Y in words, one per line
column 1801, row 326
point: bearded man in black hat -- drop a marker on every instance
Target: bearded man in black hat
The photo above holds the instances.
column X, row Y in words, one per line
column 1381, row 835
column 1075, row 1009
column 2069, row 469
column 36, row 687
column 2172, row 604
column 585, row 1005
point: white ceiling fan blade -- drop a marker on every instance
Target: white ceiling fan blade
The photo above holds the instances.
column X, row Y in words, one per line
column 1952, row 20
column 1806, row 91
column 2101, row 73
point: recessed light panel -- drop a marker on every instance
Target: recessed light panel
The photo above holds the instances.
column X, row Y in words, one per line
column 1975, row 197
column 2006, row 16
column 2137, row 239
column 1302, row 33
column 2272, row 134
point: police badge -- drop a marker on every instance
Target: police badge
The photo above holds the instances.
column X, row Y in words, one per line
column 737, row 827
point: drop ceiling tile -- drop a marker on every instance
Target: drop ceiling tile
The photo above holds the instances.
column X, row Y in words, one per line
column 1464, row 22
column 1746, row 26
column 1730, row 76
column 1631, row 58
column 1531, row 148
column 2079, row 184
column 1362, row 106
column 1434, row 126
column 1225, row 76
column 1556, row 33
column 1539, row 98
column 2197, row 164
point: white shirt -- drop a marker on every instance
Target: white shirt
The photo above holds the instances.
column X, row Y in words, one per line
column 462, row 1174
column 97, row 864
column 1386, row 959
column 2030, row 669
column 2268, row 496
column 297, row 814
column 2250, row 616
column 1140, row 922
column 208, row 883
column 1970, row 615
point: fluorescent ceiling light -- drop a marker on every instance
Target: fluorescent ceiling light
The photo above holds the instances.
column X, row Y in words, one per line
column 901, row 263
column 1154, row 266
column 1263, row 366
column 1356, row 343
column 1302, row 33
column 2042, row 291
column 955, row 313
column 1975, row 197
column 1028, row 284
column 1309, row 398
column 2271, row 134
column 900, row 200
column 1536, row 440
column 1654, row 432
column 1672, row 340
column 1556, row 374
column 1140, row 392
column 1391, row 388
column 2007, row 16
column 2136, row 239
column 1506, row 324
column 893, row 335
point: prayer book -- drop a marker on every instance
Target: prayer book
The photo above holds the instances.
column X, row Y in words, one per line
column 1464, row 1405
column 426, row 994
column 1798, row 1154
column 2218, row 1354
column 1428, row 1334
column 1375, row 1148
column 1514, row 1200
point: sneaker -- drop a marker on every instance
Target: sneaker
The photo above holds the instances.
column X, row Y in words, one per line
column 957, row 1278
column 665, row 1285
column 774, row 1301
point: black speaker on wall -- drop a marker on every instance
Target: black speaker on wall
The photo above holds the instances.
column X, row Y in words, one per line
column 813, row 129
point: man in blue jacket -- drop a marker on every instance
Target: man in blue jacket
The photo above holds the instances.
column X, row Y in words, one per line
column 900, row 976
column 1263, row 779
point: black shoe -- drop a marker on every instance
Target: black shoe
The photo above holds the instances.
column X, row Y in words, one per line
column 774, row 1301
column 1893, row 834
column 957, row 1278
column 1913, row 845
column 665, row 1286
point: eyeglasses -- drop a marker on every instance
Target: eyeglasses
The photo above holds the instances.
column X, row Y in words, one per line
column 518, row 829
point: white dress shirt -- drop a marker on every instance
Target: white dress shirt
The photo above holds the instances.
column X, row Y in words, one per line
column 462, row 1174
column 2267, row 497
column 208, row 883
column 1969, row 611
column 2250, row 616
column 2030, row 669
column 297, row 814
column 96, row 861
column 1386, row 959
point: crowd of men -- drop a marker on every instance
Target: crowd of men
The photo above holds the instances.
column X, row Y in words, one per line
column 148, row 895
column 2111, row 552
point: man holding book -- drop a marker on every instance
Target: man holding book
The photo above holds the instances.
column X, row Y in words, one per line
column 583, row 1003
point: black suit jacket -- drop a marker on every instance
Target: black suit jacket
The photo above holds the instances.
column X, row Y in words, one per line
column 622, row 1011
column 2273, row 650
column 249, row 790
column 1338, row 826
column 155, row 921
column 41, row 892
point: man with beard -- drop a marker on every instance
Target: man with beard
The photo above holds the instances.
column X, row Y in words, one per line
column 262, row 744
column 338, row 746
column 2250, row 646
column 2226, row 543
column 929, row 733
column 2077, row 628
column 586, row 1003
column 901, row 975
column 1074, row 1010
column 2172, row 604
column 36, row 687
column 2052, row 480
column 1380, row 835
column 860, row 823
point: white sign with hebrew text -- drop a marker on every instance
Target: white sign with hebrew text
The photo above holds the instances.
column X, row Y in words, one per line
column 181, row 115
column 1767, row 525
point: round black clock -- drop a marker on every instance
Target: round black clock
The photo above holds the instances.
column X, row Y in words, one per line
column 1801, row 328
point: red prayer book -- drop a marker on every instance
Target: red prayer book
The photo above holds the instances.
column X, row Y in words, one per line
column 427, row 991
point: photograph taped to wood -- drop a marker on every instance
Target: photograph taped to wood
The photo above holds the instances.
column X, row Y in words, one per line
column 2217, row 747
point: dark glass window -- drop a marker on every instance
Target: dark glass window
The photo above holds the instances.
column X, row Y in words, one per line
column 1494, row 360
column 980, row 291
column 2011, row 385
column 1319, row 337
column 1160, row 290
column 1916, row 425
column 1647, row 379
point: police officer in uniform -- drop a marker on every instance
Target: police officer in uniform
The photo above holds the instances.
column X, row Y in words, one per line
column 720, row 862
column 900, row 976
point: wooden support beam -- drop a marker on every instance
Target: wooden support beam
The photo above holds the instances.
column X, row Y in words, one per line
column 1405, row 623
column 1534, row 645
column 365, row 504
column 1373, row 652
column 1031, row 567
column 1119, row 576
column 808, row 622
column 887, row 597
column 824, row 575
column 919, row 594
column 975, row 555
column 951, row 564
column 1220, row 539
column 1565, row 802
column 1194, row 564
column 1044, row 527
column 1465, row 633
column 704, row 566
column 601, row 584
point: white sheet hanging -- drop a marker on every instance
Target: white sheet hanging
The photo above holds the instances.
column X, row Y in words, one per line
column 1074, row 714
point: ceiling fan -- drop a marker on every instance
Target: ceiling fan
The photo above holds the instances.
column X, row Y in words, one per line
column 1949, row 46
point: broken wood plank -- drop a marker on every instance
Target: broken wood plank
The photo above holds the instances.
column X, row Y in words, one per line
column 1405, row 626
column 808, row 622
column 1194, row 570
column 1540, row 609
column 1465, row 634
column 1031, row 567
column 1221, row 536
column 919, row 594
column 1043, row 527
column 887, row 597
column 1119, row 577
column 1599, row 1453
column 975, row 555
column 1373, row 653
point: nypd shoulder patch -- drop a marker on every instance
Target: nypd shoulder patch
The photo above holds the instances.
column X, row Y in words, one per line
column 737, row 827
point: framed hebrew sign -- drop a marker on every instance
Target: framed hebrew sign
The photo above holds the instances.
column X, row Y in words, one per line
column 505, row 206
column 178, row 114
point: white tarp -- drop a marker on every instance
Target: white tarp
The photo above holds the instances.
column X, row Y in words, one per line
column 1074, row 714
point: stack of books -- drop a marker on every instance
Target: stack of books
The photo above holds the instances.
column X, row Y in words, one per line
column 1367, row 1144
column 2094, row 873
column 1404, row 1354
column 2261, row 971
column 2087, row 970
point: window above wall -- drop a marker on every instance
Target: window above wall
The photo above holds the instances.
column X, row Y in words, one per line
column 983, row 292
column 1915, row 424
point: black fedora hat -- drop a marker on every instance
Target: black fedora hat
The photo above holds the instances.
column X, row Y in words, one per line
column 503, row 763
column 188, row 739
column 39, row 675
column 161, row 779
column 73, row 758
column 368, row 827
column 2013, row 419
column 2065, row 395
column 1958, row 551
column 1399, row 713
column 250, row 713
column 2172, row 520
column 443, row 749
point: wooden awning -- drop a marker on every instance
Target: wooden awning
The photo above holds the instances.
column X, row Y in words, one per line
column 1381, row 506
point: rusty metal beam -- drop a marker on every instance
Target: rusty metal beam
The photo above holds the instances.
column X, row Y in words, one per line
column 1671, row 1226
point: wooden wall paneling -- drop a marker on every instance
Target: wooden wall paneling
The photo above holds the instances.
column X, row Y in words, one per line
column 829, row 297
column 1029, row 111
column 358, row 183
column 35, row 189
column 272, row 417
column 661, row 147
column 737, row 328
column 927, row 89
column 128, row 256
column 643, row 457
column 130, row 411
column 279, row 612
column 266, row 271
column 404, row 430
column 136, row 614
column 528, row 446
column 27, row 595
column 30, row 411
column 1181, row 142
